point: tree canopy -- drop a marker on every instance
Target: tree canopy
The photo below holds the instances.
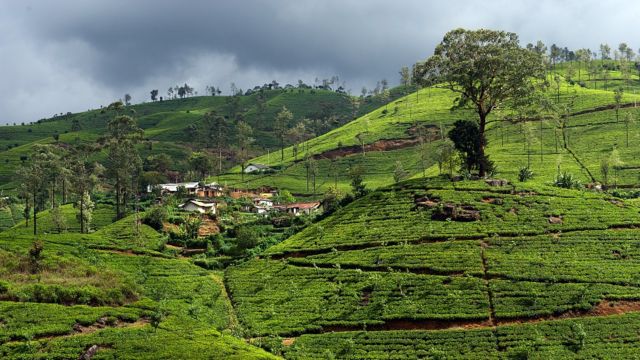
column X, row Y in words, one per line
column 485, row 67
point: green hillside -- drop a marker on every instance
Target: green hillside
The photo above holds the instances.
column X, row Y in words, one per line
column 592, row 131
column 431, row 268
column 166, row 123
column 115, row 292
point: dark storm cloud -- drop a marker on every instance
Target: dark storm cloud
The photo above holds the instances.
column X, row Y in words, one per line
column 72, row 55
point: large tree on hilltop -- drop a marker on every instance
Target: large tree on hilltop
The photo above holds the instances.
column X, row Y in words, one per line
column 123, row 161
column 486, row 68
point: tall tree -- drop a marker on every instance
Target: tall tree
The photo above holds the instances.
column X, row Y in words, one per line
column 617, row 97
column 200, row 163
column 405, row 78
column 34, row 176
column 486, row 68
column 295, row 135
column 280, row 127
column 245, row 139
column 554, row 54
column 123, row 160
column 154, row 95
column 84, row 180
column 605, row 52
column 628, row 121
column 311, row 166
column 127, row 99
column 217, row 133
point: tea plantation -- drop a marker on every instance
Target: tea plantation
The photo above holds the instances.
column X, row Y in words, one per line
column 111, row 294
column 515, row 271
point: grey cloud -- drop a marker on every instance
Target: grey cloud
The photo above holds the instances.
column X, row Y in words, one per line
column 70, row 55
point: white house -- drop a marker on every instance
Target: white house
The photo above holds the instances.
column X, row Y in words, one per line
column 202, row 207
column 264, row 202
column 172, row 188
column 296, row 209
column 255, row 168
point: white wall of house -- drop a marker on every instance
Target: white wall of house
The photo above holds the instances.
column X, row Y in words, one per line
column 252, row 168
column 190, row 206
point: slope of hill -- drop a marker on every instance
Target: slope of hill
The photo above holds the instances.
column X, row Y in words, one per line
column 111, row 294
column 475, row 271
column 592, row 129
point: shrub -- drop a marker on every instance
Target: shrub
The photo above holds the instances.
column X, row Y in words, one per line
column 525, row 174
column 156, row 217
column 568, row 181
column 35, row 256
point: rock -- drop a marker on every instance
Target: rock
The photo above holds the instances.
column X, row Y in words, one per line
column 494, row 201
column 467, row 215
column 426, row 201
column 89, row 353
column 497, row 182
column 456, row 213
column 555, row 219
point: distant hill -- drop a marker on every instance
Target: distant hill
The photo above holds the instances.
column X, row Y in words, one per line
column 166, row 123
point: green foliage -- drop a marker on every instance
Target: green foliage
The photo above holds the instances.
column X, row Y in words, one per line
column 525, row 174
column 468, row 140
column 567, row 181
column 358, row 187
column 156, row 217
column 399, row 173
column 35, row 256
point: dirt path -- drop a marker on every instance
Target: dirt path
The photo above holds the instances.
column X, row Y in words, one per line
column 379, row 145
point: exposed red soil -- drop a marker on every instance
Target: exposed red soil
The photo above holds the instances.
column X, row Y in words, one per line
column 288, row 341
column 103, row 323
column 169, row 227
column 380, row 145
column 208, row 227
column 100, row 324
column 604, row 308
column 492, row 200
column 411, row 324
column 555, row 220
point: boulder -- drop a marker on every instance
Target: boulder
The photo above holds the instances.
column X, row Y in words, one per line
column 497, row 182
column 555, row 219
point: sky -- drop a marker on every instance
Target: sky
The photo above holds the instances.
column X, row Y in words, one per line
column 75, row 55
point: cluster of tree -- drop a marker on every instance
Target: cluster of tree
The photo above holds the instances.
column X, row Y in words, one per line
column 180, row 91
column 623, row 59
column 54, row 174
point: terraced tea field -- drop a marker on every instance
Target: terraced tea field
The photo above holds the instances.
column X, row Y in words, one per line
column 111, row 294
column 439, row 269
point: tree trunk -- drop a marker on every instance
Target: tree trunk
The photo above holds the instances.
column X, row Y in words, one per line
column 35, row 211
column 82, row 213
column 541, row 144
column 483, row 122
column 118, row 197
